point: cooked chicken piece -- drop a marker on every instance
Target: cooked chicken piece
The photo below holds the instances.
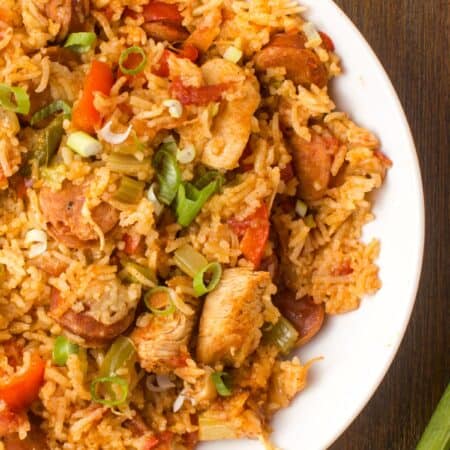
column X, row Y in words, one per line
column 232, row 317
column 232, row 125
column 162, row 342
column 62, row 210
column 207, row 30
column 302, row 65
column 312, row 163
column 163, row 31
column 305, row 315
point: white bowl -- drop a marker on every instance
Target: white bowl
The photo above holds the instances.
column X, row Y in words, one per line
column 359, row 347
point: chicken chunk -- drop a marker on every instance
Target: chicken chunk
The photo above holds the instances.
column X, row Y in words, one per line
column 232, row 125
column 232, row 317
column 312, row 163
column 162, row 342
column 65, row 222
column 302, row 65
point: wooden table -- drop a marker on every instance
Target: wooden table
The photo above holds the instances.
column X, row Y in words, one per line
column 411, row 40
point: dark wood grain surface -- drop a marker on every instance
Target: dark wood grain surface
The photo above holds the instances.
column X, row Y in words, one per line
column 411, row 39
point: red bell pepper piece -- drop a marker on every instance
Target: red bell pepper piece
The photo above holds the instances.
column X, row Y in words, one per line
column 22, row 389
column 99, row 79
column 327, row 41
column 255, row 232
column 190, row 95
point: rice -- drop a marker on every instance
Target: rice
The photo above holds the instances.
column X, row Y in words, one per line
column 80, row 287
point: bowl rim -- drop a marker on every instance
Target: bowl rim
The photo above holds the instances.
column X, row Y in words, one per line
column 403, row 325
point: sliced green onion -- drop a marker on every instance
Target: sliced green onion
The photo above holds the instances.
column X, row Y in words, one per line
column 309, row 221
column 84, row 144
column 127, row 164
column 214, row 269
column 128, row 273
column 301, row 208
column 213, row 429
column 80, row 42
column 283, row 335
column 120, row 354
column 124, row 56
column 174, row 106
column 130, row 190
column 233, row 54
column 168, row 175
column 189, row 260
column 186, row 155
column 169, row 294
column 190, row 201
column 52, row 108
column 109, row 383
column 170, row 144
column 45, row 142
column 220, row 380
column 207, row 177
column 62, row 348
column 437, row 433
column 14, row 99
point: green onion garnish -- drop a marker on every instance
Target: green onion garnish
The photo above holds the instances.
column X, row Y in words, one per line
column 167, row 294
column 127, row 164
column 301, row 208
column 62, row 348
column 14, row 99
column 120, row 354
column 45, row 142
column 109, row 383
column 283, row 335
column 437, row 433
column 84, row 144
column 309, row 221
column 190, row 201
column 52, row 108
column 214, row 270
column 220, row 380
column 131, row 269
column 189, row 260
column 168, row 175
column 135, row 50
column 130, row 190
column 80, row 42
column 207, row 177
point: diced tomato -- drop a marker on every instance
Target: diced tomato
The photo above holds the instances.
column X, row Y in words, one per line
column 287, row 173
column 160, row 11
column 255, row 232
column 385, row 160
column 23, row 388
column 343, row 269
column 99, row 79
column 189, row 52
column 151, row 443
column 163, row 65
column 132, row 243
column 327, row 41
column 190, row 95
